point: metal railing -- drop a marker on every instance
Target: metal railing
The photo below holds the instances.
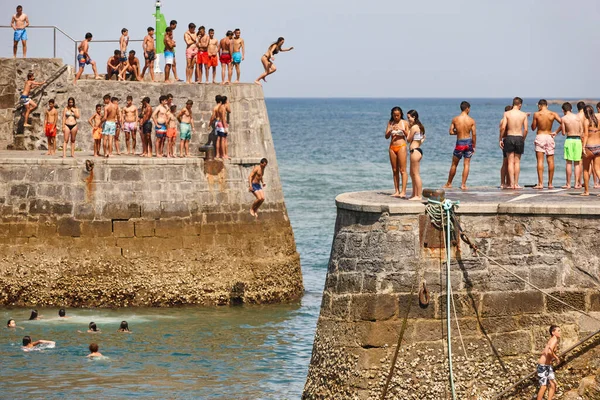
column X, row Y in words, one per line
column 74, row 42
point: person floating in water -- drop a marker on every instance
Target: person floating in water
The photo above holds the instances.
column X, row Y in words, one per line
column 25, row 100
column 465, row 129
column 256, row 184
column 124, row 327
column 268, row 58
column 34, row 315
column 92, row 328
column 545, row 371
column 62, row 313
column 94, row 351
column 397, row 129
column 11, row 324
column 28, row 344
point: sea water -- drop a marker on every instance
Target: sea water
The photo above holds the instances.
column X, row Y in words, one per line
column 324, row 147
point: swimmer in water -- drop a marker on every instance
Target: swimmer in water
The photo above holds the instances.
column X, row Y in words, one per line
column 34, row 315
column 28, row 344
column 124, row 327
column 92, row 328
column 62, row 313
column 94, row 351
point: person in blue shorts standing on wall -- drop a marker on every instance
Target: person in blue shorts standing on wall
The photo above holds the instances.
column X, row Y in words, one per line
column 19, row 22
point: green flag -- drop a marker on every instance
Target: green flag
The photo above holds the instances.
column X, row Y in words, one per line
column 161, row 25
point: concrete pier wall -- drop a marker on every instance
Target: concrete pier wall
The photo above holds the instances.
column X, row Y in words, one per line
column 385, row 249
column 134, row 231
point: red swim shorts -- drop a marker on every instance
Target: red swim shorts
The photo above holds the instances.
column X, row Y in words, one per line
column 202, row 57
column 212, row 61
column 225, row 58
column 50, row 130
column 171, row 132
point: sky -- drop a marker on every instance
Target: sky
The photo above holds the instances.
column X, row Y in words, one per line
column 358, row 48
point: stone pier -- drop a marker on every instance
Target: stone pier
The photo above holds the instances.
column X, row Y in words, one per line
column 134, row 231
column 384, row 249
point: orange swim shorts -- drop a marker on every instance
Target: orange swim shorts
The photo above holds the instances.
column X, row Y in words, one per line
column 171, row 132
column 213, row 61
column 202, row 57
column 50, row 130
column 97, row 133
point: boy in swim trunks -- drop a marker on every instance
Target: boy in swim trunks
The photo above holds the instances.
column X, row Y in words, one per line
column 123, row 43
column 544, row 141
column 572, row 127
column 149, row 54
column 238, row 52
column 129, row 117
column 171, row 131
column 169, row 53
column 19, row 22
column 25, row 100
column 159, row 117
column 545, row 370
column 213, row 55
column 96, row 123
column 132, row 67
column 191, row 51
column 146, row 127
column 463, row 126
column 112, row 65
column 111, row 118
column 186, row 127
column 256, row 184
column 515, row 124
column 50, row 119
column 202, row 57
column 83, row 58
column 225, row 57
column 173, row 26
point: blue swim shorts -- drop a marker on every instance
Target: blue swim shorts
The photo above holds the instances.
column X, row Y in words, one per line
column 236, row 57
column 161, row 131
column 109, row 128
column 83, row 61
column 20, row 34
column 169, row 56
column 463, row 148
column 256, row 187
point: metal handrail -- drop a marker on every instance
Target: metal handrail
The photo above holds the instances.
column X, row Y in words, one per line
column 75, row 42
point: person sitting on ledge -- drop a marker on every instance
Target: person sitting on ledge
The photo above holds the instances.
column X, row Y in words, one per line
column 131, row 68
column 112, row 66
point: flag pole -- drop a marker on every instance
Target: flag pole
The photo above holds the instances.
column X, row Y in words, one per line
column 161, row 25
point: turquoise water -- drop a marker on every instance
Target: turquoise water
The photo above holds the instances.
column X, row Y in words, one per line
column 324, row 147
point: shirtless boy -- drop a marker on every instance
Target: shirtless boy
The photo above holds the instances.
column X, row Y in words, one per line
column 130, row 113
column 94, row 351
column 516, row 125
column 571, row 126
column 149, row 54
column 186, row 127
column 171, row 131
column 25, row 100
column 213, row 58
column 132, row 67
column 113, row 66
column 173, row 26
column 159, row 117
column 202, row 66
column 503, row 170
column 256, row 184
column 191, row 51
column 169, row 53
column 83, row 58
column 96, row 123
column 28, row 344
column 50, row 120
column 225, row 57
column 110, row 119
column 544, row 141
column 123, row 43
column 463, row 126
column 238, row 52
column 19, row 22
column 146, row 127
column 545, row 371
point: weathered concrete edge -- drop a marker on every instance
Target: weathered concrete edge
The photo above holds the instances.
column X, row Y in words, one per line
column 345, row 201
column 80, row 160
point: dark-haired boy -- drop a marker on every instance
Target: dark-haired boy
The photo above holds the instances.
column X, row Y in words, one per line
column 130, row 113
column 109, row 129
column 83, row 58
column 50, row 120
column 123, row 43
column 28, row 344
column 202, row 57
column 159, row 117
column 543, row 120
column 225, row 57
column 169, row 53
column 173, row 26
column 171, row 131
column 255, row 186
column 191, row 51
column 149, row 54
column 186, row 127
column 113, row 65
column 19, row 22
column 96, row 123
column 132, row 67
column 545, row 370
column 238, row 52
column 146, row 127
column 516, row 125
column 572, row 127
column 25, row 100
column 465, row 129
column 213, row 55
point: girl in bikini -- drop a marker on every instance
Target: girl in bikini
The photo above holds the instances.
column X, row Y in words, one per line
column 268, row 57
column 591, row 147
column 69, row 118
column 397, row 129
column 416, row 136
